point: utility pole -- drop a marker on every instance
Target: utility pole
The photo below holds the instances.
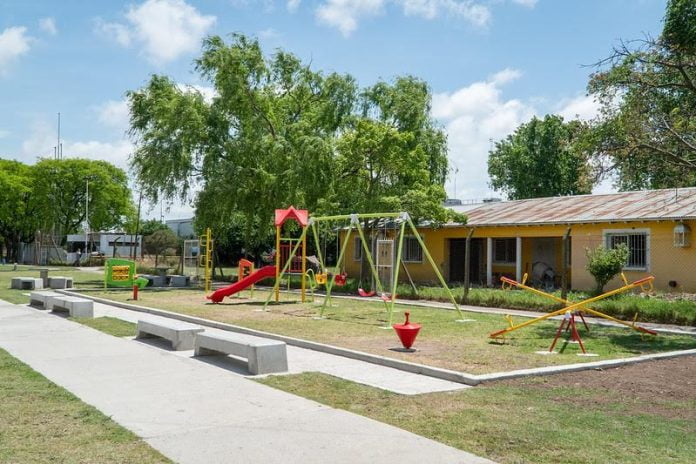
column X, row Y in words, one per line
column 87, row 217
column 59, row 146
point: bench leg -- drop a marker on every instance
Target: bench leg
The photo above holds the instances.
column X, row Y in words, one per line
column 200, row 351
column 268, row 359
column 183, row 341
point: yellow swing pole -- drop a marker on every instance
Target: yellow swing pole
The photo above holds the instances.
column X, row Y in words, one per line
column 304, row 262
column 277, row 264
column 330, row 281
column 432, row 263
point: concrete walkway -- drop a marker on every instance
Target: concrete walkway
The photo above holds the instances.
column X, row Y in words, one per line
column 195, row 412
column 304, row 360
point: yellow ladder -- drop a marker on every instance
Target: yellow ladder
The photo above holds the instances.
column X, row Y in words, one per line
column 206, row 258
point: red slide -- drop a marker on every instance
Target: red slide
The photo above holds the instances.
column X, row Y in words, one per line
column 263, row 273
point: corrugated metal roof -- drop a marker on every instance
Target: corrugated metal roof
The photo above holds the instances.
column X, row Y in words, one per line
column 625, row 206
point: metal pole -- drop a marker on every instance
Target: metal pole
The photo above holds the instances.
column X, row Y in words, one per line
column 330, row 281
column 467, row 264
column 276, row 287
column 434, row 266
column 304, row 262
column 396, row 273
column 564, row 265
column 277, row 260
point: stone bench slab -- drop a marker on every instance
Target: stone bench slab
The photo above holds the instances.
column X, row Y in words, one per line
column 38, row 299
column 180, row 334
column 59, row 282
column 75, row 306
column 26, row 283
column 264, row 356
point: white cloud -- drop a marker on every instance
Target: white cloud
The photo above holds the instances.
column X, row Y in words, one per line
column 345, row 14
column 48, row 25
column 208, row 93
column 114, row 114
column 583, row 107
column 269, row 34
column 474, row 117
column 527, row 3
column 115, row 31
column 293, row 5
column 166, row 29
column 14, row 42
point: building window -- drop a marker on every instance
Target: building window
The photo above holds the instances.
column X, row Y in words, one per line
column 504, row 250
column 412, row 251
column 637, row 243
column 357, row 249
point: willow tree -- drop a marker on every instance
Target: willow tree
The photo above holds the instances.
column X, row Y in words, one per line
column 647, row 89
column 263, row 141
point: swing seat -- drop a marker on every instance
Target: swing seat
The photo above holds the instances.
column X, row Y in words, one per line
column 386, row 297
column 363, row 293
column 320, row 278
column 340, row 279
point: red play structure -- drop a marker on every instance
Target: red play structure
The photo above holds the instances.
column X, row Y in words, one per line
column 263, row 273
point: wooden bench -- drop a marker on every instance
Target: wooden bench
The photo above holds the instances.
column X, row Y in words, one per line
column 263, row 356
column 38, row 299
column 26, row 283
column 75, row 306
column 180, row 334
column 60, row 282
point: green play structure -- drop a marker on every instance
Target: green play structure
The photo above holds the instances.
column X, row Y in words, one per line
column 121, row 273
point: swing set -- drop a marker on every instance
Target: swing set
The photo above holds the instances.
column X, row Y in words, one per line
column 291, row 256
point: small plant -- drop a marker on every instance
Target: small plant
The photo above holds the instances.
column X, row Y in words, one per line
column 605, row 264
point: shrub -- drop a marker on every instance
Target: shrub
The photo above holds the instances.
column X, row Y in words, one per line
column 605, row 264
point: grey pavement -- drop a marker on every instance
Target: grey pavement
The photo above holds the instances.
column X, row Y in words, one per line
column 305, row 360
column 196, row 412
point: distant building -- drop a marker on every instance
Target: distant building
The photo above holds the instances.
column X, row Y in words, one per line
column 183, row 228
column 107, row 243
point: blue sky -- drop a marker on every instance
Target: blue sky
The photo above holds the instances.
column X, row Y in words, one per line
column 492, row 64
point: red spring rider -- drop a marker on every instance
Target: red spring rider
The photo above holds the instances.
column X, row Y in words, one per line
column 407, row 332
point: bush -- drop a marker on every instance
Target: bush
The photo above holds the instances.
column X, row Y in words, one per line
column 605, row 264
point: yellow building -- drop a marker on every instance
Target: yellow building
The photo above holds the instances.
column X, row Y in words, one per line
column 512, row 238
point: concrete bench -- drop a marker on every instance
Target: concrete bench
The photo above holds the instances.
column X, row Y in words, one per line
column 263, row 356
column 38, row 299
column 26, row 283
column 75, row 306
column 60, row 282
column 179, row 281
column 181, row 334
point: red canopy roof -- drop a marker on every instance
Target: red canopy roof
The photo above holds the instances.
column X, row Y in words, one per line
column 300, row 215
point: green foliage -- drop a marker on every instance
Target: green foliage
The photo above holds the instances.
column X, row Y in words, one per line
column 541, row 159
column 159, row 242
column 151, row 226
column 18, row 206
column 605, row 264
column 278, row 133
column 60, row 190
column 647, row 89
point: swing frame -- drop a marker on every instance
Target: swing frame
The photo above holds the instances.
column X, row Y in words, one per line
column 403, row 219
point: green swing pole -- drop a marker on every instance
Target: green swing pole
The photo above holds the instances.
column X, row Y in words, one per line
column 317, row 242
column 329, row 282
column 373, row 268
column 396, row 273
column 286, row 267
column 432, row 263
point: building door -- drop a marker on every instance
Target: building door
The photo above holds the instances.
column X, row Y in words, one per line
column 457, row 256
column 385, row 262
column 544, row 261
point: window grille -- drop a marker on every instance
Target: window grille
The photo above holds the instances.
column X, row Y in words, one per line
column 637, row 248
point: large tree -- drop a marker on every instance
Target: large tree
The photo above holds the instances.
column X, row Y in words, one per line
column 646, row 132
column 60, row 187
column 542, row 158
column 278, row 133
column 19, row 209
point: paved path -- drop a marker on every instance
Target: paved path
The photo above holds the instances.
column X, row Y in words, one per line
column 195, row 412
column 304, row 360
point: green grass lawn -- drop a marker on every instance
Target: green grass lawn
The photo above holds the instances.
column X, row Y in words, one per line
column 109, row 325
column 527, row 421
column 83, row 279
column 42, row 422
column 356, row 324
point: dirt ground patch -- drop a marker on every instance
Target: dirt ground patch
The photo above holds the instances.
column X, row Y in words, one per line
column 659, row 384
